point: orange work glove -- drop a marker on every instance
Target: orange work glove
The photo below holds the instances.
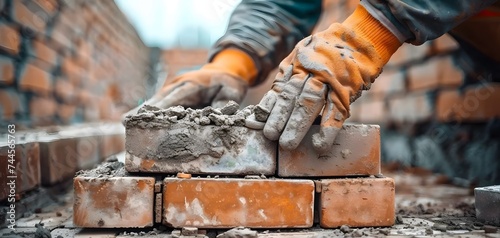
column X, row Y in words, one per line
column 326, row 71
column 226, row 78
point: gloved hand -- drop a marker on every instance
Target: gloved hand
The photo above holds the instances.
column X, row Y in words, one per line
column 325, row 71
column 226, row 78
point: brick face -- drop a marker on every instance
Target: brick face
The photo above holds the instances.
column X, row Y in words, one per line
column 118, row 202
column 357, row 202
column 9, row 104
column 6, row 71
column 356, row 151
column 36, row 80
column 411, row 108
column 9, row 39
column 93, row 54
column 251, row 203
column 58, row 159
column 27, row 18
column 26, row 164
column 389, row 82
column 44, row 52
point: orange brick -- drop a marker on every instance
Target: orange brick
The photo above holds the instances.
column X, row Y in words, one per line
column 26, row 163
column 356, row 151
column 411, row 108
column 65, row 90
column 6, row 71
column 42, row 110
column 408, row 53
column 58, row 159
column 116, row 202
column 9, row 104
column 444, row 43
column 23, row 15
column 478, row 103
column 9, row 39
column 44, row 52
column 36, row 80
column 66, row 112
column 389, row 82
column 227, row 203
column 423, row 76
column 357, row 202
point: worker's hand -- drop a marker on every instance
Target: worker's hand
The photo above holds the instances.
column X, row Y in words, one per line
column 325, row 71
column 226, row 78
column 200, row 88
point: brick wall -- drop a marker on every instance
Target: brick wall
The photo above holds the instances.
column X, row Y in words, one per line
column 68, row 61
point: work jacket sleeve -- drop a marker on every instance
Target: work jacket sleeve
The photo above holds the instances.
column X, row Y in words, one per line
column 268, row 30
column 417, row 21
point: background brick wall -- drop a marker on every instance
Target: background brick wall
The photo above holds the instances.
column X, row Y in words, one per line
column 68, row 61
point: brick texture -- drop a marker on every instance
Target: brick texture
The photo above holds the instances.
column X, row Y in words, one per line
column 116, row 202
column 36, row 80
column 49, row 48
column 9, row 104
column 58, row 159
column 227, row 203
column 146, row 151
column 26, row 163
column 357, row 202
column 411, row 108
column 477, row 103
column 356, row 151
column 6, row 71
column 487, row 201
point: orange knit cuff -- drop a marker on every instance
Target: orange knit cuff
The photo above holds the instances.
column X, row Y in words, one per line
column 368, row 27
column 234, row 62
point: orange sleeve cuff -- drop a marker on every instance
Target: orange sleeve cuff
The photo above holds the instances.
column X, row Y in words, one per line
column 234, row 62
column 368, row 27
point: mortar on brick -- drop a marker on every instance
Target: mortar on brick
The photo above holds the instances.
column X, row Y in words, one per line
column 106, row 197
column 197, row 141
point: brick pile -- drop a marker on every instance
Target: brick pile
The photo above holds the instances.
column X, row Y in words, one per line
column 297, row 189
column 47, row 160
column 68, row 61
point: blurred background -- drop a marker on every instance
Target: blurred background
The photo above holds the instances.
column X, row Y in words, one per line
column 64, row 62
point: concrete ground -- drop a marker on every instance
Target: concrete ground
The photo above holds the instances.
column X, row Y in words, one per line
column 426, row 206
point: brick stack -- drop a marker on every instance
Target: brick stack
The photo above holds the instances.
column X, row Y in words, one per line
column 48, row 159
column 289, row 189
column 68, row 61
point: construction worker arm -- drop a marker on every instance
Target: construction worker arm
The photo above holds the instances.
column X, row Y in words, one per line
column 416, row 22
column 268, row 30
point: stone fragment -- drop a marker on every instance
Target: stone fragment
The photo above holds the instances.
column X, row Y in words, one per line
column 488, row 204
